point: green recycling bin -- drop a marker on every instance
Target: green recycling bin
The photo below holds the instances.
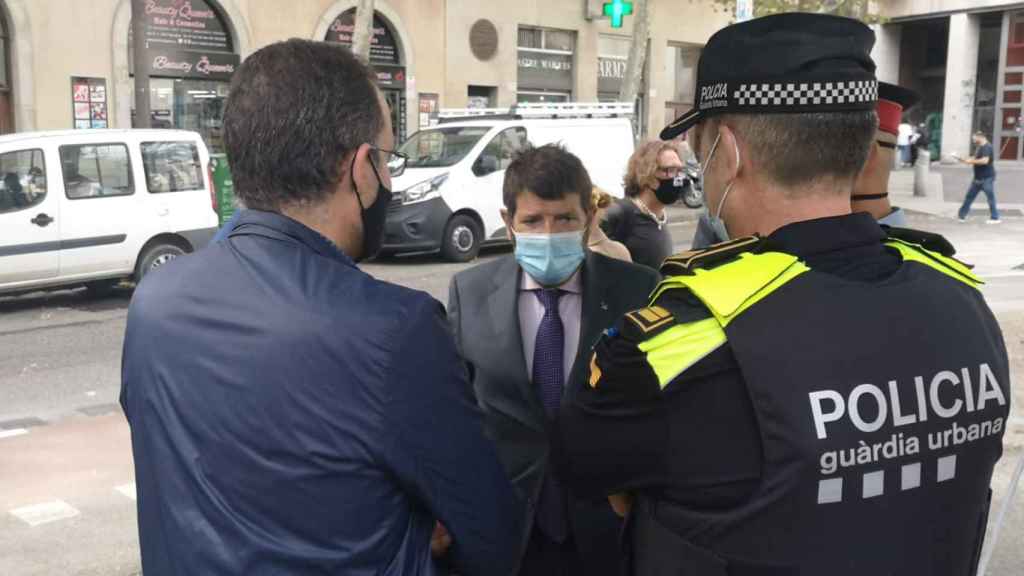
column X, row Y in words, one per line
column 224, row 187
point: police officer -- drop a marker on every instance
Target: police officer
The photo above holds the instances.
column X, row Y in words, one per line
column 812, row 397
column 871, row 192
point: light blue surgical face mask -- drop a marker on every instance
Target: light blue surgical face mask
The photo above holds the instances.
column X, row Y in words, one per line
column 714, row 226
column 550, row 259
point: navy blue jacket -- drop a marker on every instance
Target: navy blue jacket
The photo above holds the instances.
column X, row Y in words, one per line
column 292, row 415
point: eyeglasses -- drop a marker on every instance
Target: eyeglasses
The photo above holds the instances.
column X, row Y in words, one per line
column 669, row 171
column 393, row 159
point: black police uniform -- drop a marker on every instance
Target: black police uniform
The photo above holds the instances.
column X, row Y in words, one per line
column 732, row 472
column 830, row 399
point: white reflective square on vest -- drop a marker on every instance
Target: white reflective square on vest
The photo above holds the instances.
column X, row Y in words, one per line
column 830, row 491
column 874, row 484
column 946, row 468
column 911, row 476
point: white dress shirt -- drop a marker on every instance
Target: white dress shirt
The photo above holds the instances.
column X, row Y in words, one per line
column 531, row 312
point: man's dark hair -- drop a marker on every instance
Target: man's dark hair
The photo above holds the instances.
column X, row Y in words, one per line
column 795, row 150
column 551, row 172
column 296, row 109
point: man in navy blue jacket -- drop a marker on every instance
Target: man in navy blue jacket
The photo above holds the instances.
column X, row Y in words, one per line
column 289, row 413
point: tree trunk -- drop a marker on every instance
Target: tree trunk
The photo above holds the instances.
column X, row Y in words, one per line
column 362, row 35
column 637, row 54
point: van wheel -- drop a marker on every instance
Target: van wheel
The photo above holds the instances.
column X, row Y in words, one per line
column 462, row 239
column 156, row 257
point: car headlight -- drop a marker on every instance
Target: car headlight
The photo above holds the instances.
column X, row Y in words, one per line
column 424, row 190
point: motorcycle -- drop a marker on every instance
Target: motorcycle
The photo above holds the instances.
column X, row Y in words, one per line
column 693, row 188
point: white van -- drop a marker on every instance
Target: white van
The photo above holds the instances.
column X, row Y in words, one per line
column 449, row 196
column 96, row 206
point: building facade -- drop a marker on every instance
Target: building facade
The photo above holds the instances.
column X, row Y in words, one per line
column 966, row 58
column 69, row 63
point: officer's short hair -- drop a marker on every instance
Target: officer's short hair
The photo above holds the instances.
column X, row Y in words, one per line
column 551, row 172
column 796, row 149
column 296, row 109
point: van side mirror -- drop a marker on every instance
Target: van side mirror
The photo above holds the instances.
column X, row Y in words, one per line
column 485, row 165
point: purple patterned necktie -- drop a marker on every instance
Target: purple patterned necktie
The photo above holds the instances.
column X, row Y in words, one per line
column 548, row 365
column 549, row 378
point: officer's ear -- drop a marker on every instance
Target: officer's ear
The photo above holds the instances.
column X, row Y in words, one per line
column 729, row 148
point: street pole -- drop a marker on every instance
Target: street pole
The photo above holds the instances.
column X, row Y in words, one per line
column 637, row 54
column 140, row 57
column 362, row 35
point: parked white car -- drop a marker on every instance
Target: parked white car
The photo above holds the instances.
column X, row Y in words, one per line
column 94, row 207
column 449, row 196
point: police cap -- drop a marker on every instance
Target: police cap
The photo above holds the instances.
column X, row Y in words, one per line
column 793, row 62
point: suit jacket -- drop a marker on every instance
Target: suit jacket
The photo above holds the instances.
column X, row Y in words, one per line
column 483, row 310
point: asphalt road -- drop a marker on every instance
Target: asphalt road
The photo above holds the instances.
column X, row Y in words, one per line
column 66, row 478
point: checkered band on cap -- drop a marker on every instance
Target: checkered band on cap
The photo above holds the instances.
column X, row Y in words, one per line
column 785, row 95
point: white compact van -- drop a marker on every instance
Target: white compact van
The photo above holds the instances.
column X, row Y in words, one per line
column 94, row 207
column 449, row 196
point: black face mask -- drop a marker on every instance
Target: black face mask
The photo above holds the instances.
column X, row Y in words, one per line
column 375, row 216
column 669, row 191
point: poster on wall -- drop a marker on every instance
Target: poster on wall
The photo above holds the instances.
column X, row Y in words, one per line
column 89, row 102
column 428, row 110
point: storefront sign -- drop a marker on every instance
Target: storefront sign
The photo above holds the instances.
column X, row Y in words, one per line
column 543, row 71
column 186, row 64
column 89, row 102
column 390, row 76
column 611, row 72
column 383, row 46
column 185, row 24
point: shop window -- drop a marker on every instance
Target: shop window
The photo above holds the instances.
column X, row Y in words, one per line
column 545, row 65
column 23, row 182
column 1009, row 151
column 547, row 40
column 96, row 171
column 482, row 97
column 531, row 38
column 683, row 72
column 172, row 166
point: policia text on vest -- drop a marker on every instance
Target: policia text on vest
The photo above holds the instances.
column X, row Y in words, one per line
column 829, row 407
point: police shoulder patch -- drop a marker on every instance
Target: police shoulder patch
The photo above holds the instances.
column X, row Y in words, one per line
column 687, row 262
column 650, row 319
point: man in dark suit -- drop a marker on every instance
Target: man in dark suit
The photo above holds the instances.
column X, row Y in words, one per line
column 526, row 336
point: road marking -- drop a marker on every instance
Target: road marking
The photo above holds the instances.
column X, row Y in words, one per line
column 127, row 490
column 46, row 512
column 12, row 433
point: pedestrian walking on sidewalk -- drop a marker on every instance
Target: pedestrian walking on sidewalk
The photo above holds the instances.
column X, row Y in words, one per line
column 984, row 178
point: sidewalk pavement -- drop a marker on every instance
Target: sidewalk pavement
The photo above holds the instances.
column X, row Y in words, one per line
column 901, row 193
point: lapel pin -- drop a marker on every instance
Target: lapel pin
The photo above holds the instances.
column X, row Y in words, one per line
column 604, row 306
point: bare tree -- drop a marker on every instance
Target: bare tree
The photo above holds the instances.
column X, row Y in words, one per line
column 362, row 35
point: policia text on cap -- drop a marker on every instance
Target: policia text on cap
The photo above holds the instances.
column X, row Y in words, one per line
column 815, row 397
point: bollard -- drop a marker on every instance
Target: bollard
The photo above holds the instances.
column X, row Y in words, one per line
column 921, row 172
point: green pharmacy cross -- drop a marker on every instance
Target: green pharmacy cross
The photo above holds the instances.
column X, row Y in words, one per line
column 616, row 10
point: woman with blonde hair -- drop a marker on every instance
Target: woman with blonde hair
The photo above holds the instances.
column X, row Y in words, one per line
column 639, row 221
column 599, row 242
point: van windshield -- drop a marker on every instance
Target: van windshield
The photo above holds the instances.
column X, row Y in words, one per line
column 439, row 147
